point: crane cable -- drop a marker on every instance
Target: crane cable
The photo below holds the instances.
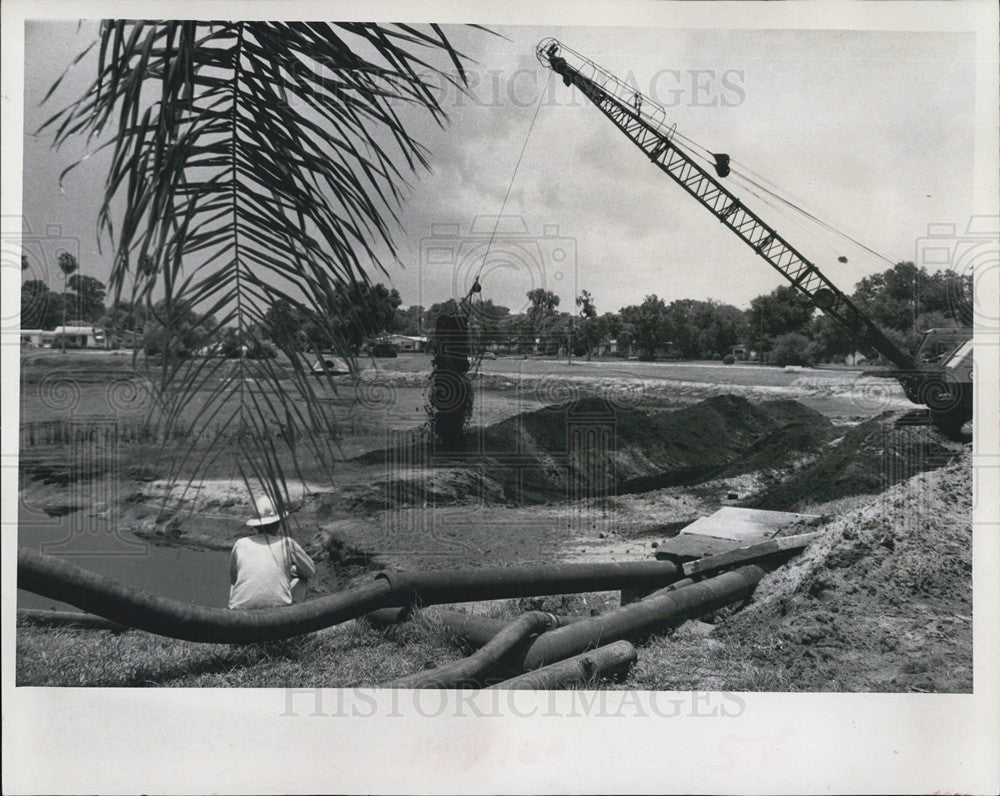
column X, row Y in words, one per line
column 510, row 185
column 476, row 286
column 742, row 172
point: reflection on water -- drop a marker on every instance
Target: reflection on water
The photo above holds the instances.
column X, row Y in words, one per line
column 192, row 576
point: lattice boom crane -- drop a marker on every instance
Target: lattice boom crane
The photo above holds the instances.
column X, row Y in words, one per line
column 943, row 387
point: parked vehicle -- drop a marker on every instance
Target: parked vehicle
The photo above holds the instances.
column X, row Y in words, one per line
column 330, row 365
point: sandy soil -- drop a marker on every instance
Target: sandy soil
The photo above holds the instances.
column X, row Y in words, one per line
column 882, row 601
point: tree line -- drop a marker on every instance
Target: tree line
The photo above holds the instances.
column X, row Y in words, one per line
column 781, row 326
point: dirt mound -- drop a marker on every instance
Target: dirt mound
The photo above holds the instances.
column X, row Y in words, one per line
column 883, row 601
column 870, row 458
column 591, row 447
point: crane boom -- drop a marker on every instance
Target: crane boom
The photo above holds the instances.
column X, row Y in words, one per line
column 644, row 122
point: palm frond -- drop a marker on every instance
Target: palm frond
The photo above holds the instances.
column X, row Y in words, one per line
column 256, row 161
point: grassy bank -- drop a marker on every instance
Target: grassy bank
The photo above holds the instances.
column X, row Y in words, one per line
column 352, row 655
column 349, row 655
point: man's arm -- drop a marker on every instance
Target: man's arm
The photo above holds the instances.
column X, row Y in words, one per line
column 303, row 563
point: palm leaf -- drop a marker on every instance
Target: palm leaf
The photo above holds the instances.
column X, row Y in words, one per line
column 256, row 161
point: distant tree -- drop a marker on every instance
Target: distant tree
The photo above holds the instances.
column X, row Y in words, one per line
column 729, row 328
column 485, row 319
column 408, row 321
column 831, row 340
column 87, row 297
column 586, row 304
column 41, row 308
column 542, row 312
column 125, row 316
column 283, row 324
column 782, row 311
column 648, row 323
column 515, row 332
column 680, row 333
column 24, row 263
column 67, row 264
column 897, row 297
column 249, row 344
column 791, row 349
column 356, row 311
column 610, row 325
column 175, row 330
column 588, row 329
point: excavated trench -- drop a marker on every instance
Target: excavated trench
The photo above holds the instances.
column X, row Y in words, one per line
column 591, row 447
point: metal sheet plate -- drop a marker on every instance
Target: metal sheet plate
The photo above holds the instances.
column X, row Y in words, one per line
column 728, row 528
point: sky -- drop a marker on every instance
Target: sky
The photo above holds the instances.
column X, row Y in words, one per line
column 871, row 131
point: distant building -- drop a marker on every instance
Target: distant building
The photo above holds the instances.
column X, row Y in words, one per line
column 37, row 338
column 609, row 348
column 405, row 342
column 80, row 336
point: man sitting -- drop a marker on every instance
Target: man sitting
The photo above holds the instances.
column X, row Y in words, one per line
column 269, row 568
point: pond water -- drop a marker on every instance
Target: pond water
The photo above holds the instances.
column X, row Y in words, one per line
column 192, row 576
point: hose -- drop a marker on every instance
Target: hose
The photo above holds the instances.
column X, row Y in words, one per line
column 60, row 580
column 644, row 618
column 467, row 671
column 579, row 669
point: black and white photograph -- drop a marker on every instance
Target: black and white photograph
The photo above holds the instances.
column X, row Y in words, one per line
column 415, row 398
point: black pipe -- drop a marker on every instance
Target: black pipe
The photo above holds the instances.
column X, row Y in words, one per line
column 474, row 629
column 385, row 618
column 582, row 668
column 467, row 671
column 667, row 589
column 70, row 619
column 60, row 580
column 644, row 618
column 498, row 583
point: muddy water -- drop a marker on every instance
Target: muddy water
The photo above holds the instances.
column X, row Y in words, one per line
column 193, row 576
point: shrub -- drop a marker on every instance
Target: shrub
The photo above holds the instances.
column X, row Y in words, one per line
column 728, row 359
column 791, row 349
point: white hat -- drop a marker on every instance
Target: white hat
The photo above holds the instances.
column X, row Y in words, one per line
column 266, row 513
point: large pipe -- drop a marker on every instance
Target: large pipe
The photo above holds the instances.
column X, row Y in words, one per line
column 475, row 629
column 467, row 672
column 582, row 668
column 70, row 619
column 60, row 580
column 667, row 589
column 629, row 596
column 498, row 583
column 644, row 618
